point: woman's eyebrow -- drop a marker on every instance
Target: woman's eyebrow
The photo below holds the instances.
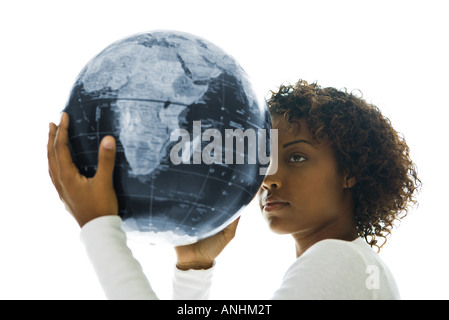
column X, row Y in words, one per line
column 296, row 141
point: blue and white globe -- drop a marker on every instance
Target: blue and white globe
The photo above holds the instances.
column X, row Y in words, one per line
column 141, row 90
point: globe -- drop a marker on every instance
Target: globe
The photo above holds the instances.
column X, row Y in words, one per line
column 174, row 103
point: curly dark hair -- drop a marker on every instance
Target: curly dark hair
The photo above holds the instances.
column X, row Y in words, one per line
column 365, row 146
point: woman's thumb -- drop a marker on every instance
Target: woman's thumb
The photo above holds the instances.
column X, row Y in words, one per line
column 106, row 158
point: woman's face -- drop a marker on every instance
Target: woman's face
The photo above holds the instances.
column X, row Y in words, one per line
column 307, row 193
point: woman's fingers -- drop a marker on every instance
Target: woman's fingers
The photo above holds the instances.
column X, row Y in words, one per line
column 52, row 165
column 66, row 168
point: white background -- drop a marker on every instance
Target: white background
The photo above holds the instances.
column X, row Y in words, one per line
column 395, row 52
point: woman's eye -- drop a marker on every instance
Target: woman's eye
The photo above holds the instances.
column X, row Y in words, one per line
column 295, row 158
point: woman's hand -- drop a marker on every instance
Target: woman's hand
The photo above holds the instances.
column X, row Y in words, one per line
column 85, row 198
column 201, row 255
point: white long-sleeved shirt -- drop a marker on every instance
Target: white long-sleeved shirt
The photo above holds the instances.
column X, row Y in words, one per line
column 330, row 269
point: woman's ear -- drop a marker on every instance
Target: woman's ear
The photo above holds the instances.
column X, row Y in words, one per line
column 349, row 181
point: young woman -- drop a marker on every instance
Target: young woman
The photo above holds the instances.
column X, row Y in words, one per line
column 344, row 176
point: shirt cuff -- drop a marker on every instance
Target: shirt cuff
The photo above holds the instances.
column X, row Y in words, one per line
column 192, row 284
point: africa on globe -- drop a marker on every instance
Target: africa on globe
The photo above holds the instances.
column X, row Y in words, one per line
column 168, row 95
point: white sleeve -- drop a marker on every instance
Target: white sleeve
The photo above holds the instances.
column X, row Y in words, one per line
column 192, row 284
column 119, row 273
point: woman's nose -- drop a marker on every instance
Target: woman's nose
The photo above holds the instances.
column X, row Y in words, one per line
column 271, row 182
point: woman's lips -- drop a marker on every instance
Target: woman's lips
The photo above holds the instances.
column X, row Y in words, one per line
column 271, row 205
